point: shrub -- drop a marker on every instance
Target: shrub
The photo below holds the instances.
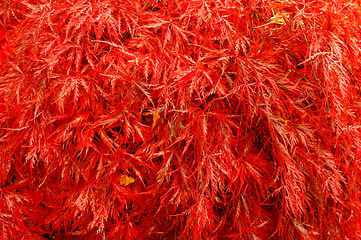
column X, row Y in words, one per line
column 180, row 119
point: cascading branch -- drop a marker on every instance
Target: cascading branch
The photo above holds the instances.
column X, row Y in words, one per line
column 180, row 119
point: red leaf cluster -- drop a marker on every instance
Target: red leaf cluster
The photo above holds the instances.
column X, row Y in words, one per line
column 180, row 119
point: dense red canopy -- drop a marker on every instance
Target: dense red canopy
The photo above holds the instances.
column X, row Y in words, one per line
column 180, row 119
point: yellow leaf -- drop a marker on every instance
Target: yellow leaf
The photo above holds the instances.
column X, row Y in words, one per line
column 155, row 118
column 279, row 18
column 125, row 180
column 288, row 73
column 280, row 118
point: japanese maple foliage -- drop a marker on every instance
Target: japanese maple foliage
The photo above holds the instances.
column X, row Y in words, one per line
column 180, row 119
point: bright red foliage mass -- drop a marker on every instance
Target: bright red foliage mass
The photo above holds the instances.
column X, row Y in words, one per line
column 180, row 119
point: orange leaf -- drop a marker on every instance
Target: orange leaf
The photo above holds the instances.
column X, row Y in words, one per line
column 125, row 180
column 155, row 118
